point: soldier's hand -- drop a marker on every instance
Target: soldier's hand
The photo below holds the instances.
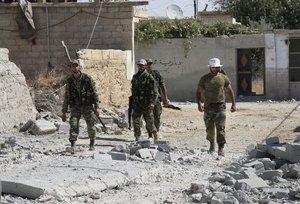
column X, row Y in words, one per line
column 97, row 111
column 151, row 106
column 63, row 117
column 233, row 108
column 166, row 101
column 200, row 107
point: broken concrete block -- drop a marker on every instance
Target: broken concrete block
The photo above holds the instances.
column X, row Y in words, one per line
column 20, row 189
column 118, row 156
column 257, row 165
column 199, row 186
column 144, row 153
column 272, row 140
column 293, row 152
column 159, row 156
column 102, row 157
column 133, row 148
column 26, row 126
column 270, row 174
column 253, row 182
column 163, row 146
column 144, row 143
column 40, row 127
column 106, row 119
column 173, row 157
column 268, row 163
column 257, row 153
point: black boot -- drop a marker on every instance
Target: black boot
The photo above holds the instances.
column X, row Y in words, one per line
column 221, row 150
column 72, row 147
column 92, row 143
column 211, row 147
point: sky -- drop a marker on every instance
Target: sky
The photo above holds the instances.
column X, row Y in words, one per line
column 158, row 7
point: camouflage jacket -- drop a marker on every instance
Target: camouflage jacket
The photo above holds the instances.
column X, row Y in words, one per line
column 143, row 88
column 80, row 92
column 160, row 83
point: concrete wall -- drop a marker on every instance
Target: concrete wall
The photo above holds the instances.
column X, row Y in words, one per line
column 112, row 71
column 69, row 22
column 182, row 74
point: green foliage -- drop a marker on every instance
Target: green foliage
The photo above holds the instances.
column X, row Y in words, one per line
column 148, row 31
column 281, row 14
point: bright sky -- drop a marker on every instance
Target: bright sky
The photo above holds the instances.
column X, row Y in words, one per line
column 158, row 7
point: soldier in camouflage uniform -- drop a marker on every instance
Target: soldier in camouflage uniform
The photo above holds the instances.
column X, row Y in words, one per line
column 144, row 94
column 162, row 94
column 212, row 87
column 80, row 96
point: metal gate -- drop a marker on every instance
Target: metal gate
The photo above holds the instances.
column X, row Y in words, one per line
column 251, row 72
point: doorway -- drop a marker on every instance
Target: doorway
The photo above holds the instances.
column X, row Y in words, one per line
column 251, row 72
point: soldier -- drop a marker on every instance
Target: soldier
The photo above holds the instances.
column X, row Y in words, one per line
column 81, row 96
column 213, row 86
column 144, row 95
column 162, row 94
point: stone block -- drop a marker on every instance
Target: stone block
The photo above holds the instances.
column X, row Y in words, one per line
column 144, row 143
column 20, row 189
column 144, row 154
column 40, row 127
column 272, row 140
column 293, row 152
column 118, row 156
column 133, row 148
column 270, row 174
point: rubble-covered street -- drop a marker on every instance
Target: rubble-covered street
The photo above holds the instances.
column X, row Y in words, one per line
column 37, row 168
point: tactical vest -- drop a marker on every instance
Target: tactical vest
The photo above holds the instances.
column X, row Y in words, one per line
column 85, row 96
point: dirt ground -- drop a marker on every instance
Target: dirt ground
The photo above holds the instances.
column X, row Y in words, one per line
column 251, row 124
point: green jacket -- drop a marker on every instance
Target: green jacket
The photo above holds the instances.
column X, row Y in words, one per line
column 80, row 92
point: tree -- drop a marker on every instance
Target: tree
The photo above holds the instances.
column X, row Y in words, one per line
column 279, row 13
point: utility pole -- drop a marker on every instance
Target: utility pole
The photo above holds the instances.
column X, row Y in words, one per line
column 195, row 9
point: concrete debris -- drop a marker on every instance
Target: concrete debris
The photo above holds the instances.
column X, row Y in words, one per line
column 254, row 179
column 23, row 190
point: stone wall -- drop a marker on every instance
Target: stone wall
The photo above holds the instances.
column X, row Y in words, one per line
column 16, row 104
column 69, row 22
column 112, row 71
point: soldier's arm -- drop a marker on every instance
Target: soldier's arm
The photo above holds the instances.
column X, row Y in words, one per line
column 198, row 97
column 232, row 98
column 96, row 95
column 65, row 103
column 163, row 88
column 66, row 99
column 154, row 92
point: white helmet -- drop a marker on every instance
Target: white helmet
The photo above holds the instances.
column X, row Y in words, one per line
column 214, row 62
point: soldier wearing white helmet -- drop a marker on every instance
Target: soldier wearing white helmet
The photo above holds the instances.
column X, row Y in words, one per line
column 212, row 86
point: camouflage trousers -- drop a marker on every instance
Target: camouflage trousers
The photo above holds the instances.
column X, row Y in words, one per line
column 156, row 113
column 138, row 112
column 215, row 118
column 89, row 118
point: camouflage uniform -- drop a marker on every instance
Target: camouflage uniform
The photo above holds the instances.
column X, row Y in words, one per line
column 144, row 92
column 81, row 95
column 214, row 105
column 158, row 108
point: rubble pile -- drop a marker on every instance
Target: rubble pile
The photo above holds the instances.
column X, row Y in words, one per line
column 269, row 173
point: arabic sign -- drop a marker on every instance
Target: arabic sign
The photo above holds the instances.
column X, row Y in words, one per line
column 27, row 10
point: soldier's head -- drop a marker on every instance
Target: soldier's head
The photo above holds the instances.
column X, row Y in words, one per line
column 75, row 66
column 149, row 64
column 214, row 65
column 141, row 64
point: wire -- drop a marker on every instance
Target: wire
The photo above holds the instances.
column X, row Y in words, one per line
column 94, row 26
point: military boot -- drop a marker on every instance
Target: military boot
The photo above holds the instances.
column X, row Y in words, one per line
column 72, row 149
column 92, row 143
column 155, row 135
column 211, row 147
column 221, row 150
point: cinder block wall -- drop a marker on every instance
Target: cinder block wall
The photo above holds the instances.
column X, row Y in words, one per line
column 69, row 22
column 109, row 69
